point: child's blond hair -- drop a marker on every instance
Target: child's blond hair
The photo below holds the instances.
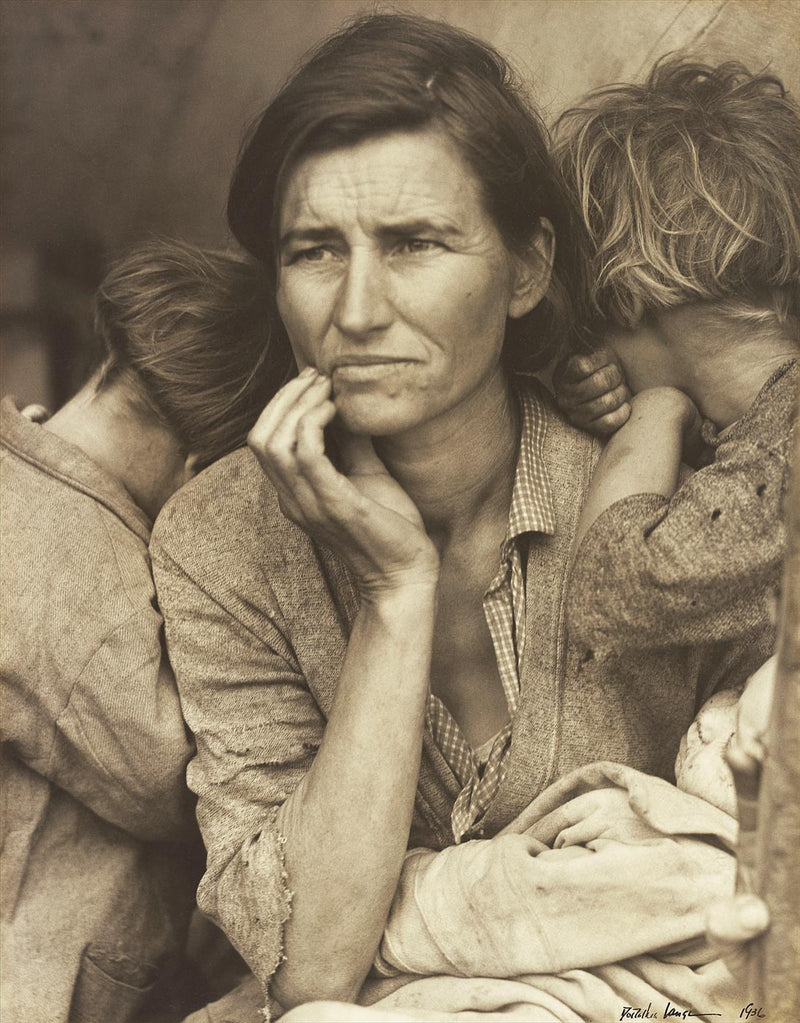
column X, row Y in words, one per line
column 690, row 189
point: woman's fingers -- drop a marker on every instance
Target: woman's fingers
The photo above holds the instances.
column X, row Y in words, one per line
column 289, row 442
column 312, row 492
column 362, row 513
column 325, row 494
column 284, row 439
column 310, row 431
column 273, row 414
column 273, row 439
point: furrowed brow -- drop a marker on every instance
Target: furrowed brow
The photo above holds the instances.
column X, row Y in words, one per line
column 420, row 226
column 306, row 234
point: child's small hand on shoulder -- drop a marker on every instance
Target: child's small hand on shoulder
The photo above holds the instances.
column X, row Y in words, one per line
column 592, row 392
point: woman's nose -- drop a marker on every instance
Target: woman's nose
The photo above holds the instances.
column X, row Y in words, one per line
column 362, row 305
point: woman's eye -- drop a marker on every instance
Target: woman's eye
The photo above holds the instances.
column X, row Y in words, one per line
column 418, row 245
column 314, row 255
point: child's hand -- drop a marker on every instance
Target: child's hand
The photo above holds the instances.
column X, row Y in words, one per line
column 36, row 413
column 592, row 392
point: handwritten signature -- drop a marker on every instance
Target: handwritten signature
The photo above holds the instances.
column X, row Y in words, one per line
column 748, row 1012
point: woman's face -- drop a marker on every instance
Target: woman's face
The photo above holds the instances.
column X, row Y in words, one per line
column 394, row 280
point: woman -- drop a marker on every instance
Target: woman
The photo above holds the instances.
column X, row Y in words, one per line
column 101, row 852
column 370, row 646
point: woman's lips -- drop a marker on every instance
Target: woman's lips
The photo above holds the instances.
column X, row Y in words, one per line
column 363, row 372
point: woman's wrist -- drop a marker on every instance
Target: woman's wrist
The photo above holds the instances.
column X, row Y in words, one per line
column 406, row 592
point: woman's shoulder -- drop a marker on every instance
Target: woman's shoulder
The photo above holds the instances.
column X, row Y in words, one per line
column 564, row 447
column 233, row 487
column 229, row 509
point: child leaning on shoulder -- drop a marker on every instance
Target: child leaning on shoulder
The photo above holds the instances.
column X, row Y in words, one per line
column 690, row 191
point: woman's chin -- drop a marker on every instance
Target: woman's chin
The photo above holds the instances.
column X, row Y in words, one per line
column 364, row 415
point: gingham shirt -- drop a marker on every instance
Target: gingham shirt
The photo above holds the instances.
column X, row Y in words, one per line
column 504, row 607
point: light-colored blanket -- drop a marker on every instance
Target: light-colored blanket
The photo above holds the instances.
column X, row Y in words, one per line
column 588, row 907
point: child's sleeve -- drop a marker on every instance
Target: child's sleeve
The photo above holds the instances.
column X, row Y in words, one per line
column 700, row 567
column 111, row 735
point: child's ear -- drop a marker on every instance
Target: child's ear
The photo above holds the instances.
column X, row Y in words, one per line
column 533, row 269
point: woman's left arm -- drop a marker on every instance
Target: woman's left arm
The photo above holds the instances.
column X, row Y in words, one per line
column 256, row 725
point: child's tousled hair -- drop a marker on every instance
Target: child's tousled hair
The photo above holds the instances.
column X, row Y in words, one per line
column 189, row 333
column 690, row 188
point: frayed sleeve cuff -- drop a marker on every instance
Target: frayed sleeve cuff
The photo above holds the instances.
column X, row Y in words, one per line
column 250, row 899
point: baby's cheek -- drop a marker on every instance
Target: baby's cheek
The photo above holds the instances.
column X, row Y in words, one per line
column 704, row 773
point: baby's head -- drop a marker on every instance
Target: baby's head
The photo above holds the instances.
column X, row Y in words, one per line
column 690, row 188
column 701, row 768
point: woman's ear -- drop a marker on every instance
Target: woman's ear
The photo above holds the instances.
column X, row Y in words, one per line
column 533, row 270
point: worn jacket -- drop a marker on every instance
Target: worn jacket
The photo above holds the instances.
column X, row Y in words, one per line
column 99, row 842
column 257, row 620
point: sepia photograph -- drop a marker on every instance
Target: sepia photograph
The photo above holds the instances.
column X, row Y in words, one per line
column 399, row 511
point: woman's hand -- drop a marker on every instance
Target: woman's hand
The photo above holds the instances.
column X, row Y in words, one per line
column 592, row 392
column 363, row 513
column 732, row 922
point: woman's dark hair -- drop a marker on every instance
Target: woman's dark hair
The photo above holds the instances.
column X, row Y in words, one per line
column 387, row 73
column 190, row 333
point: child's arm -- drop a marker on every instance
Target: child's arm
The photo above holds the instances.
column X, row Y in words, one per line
column 644, row 455
column 654, row 571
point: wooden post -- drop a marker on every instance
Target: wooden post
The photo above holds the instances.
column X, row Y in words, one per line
column 774, row 975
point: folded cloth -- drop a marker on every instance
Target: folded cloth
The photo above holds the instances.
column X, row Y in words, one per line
column 645, row 987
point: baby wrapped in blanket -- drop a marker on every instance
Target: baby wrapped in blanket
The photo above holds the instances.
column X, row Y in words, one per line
column 593, row 899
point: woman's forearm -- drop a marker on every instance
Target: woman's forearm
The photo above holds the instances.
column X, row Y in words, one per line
column 347, row 824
